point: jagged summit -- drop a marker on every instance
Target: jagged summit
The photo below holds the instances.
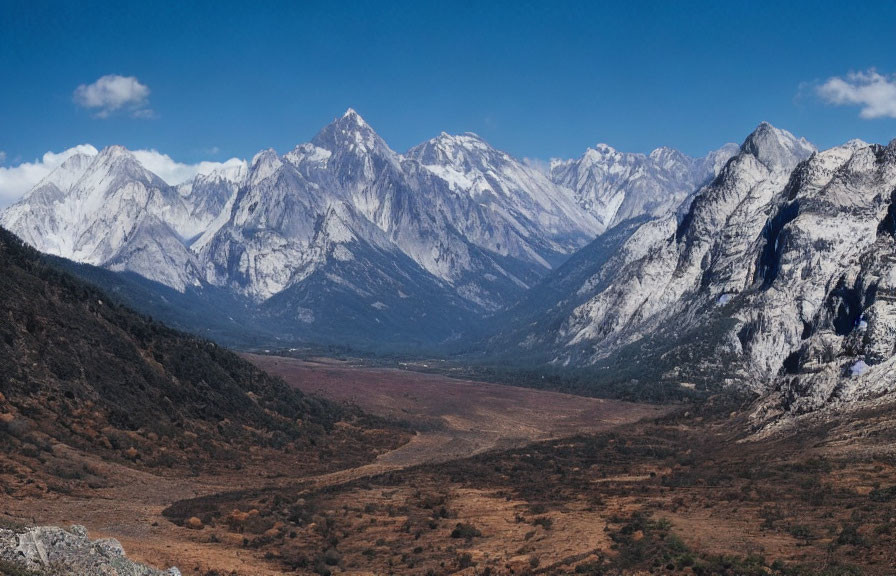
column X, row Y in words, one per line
column 667, row 157
column 775, row 148
column 352, row 121
column 263, row 156
column 349, row 131
column 62, row 178
column 231, row 172
column 856, row 143
column 462, row 138
column 116, row 155
column 115, row 150
column 112, row 167
column 602, row 150
column 452, row 149
column 352, row 115
column 264, row 159
column 264, row 165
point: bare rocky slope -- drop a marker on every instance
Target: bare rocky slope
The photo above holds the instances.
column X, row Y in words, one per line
column 777, row 279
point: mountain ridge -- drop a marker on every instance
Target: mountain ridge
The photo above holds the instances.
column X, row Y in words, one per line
column 478, row 226
column 776, row 280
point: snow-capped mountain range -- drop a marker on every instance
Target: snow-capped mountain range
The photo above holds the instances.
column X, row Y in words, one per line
column 472, row 220
column 768, row 266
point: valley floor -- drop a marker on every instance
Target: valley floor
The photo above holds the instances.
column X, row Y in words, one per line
column 489, row 479
column 453, row 418
column 445, row 419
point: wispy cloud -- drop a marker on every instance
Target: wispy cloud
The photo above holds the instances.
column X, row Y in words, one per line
column 16, row 180
column 113, row 93
column 874, row 92
column 2, row 156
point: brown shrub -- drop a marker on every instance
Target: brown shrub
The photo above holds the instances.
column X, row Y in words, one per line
column 236, row 521
column 194, row 523
column 256, row 524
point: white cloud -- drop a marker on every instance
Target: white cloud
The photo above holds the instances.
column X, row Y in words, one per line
column 2, row 156
column 16, row 180
column 174, row 172
column 874, row 92
column 112, row 93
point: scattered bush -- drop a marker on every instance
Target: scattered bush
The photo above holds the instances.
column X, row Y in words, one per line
column 801, row 532
column 849, row 536
column 332, row 557
column 194, row 523
column 466, row 531
column 883, row 494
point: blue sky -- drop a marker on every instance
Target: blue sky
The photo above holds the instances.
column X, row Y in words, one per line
column 538, row 79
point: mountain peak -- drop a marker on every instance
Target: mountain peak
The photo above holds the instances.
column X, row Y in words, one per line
column 264, row 164
column 352, row 115
column 667, row 156
column 451, row 149
column 234, row 170
column 114, row 151
column 349, row 131
column 601, row 153
column 775, row 148
column 118, row 162
column 266, row 155
column 466, row 139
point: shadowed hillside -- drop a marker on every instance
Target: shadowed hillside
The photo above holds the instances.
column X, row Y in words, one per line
column 76, row 368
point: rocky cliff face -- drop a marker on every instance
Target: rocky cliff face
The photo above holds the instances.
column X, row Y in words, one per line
column 664, row 265
column 776, row 279
column 827, row 270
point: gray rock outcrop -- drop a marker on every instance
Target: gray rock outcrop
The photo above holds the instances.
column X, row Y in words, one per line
column 55, row 551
